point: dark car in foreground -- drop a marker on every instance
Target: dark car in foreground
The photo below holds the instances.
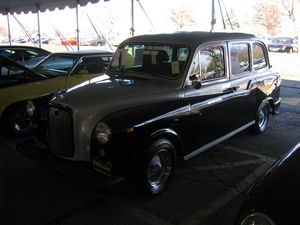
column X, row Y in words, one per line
column 26, row 55
column 18, row 84
column 274, row 198
column 165, row 96
column 282, row 44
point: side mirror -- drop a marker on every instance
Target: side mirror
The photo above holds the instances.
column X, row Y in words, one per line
column 196, row 83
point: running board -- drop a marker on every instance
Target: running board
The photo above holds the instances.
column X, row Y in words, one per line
column 217, row 141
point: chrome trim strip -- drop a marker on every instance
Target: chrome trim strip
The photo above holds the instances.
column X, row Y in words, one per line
column 195, row 108
column 217, row 141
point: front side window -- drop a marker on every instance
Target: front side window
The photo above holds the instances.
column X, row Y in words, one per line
column 209, row 64
column 239, row 58
column 154, row 60
column 212, row 64
column 259, row 58
column 57, row 65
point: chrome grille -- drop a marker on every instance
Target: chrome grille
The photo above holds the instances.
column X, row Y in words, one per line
column 61, row 138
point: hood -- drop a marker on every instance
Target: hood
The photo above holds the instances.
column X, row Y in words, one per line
column 14, row 73
column 282, row 179
column 110, row 90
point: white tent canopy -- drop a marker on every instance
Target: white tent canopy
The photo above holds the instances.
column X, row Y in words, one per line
column 8, row 7
column 25, row 6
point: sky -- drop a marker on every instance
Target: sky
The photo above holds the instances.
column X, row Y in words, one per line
column 114, row 17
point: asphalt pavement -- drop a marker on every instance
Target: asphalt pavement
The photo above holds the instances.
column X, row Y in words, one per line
column 40, row 189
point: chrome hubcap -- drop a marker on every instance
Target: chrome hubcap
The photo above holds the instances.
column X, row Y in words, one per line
column 159, row 168
column 262, row 117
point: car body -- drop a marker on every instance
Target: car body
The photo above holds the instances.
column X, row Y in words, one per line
column 165, row 95
column 26, row 55
column 282, row 44
column 274, row 198
column 58, row 71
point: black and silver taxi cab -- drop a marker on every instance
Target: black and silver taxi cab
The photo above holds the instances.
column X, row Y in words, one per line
column 165, row 96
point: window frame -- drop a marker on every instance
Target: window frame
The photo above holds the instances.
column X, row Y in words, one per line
column 265, row 55
column 245, row 73
column 221, row 44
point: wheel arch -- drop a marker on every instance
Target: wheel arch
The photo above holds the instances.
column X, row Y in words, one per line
column 271, row 103
column 8, row 108
column 164, row 133
column 170, row 135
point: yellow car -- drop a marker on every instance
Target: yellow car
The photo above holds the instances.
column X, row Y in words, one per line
column 19, row 84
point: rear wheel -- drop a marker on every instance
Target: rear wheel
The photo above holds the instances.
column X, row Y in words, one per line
column 156, row 167
column 262, row 118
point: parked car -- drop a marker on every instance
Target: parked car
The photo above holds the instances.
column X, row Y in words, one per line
column 96, row 41
column 19, row 84
column 163, row 96
column 274, row 198
column 26, row 55
column 69, row 41
column 282, row 44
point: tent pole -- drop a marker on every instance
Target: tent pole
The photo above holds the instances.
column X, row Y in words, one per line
column 77, row 23
column 39, row 26
column 132, row 18
column 213, row 18
column 8, row 28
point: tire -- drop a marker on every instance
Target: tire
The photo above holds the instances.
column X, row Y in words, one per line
column 262, row 118
column 17, row 121
column 290, row 50
column 155, row 167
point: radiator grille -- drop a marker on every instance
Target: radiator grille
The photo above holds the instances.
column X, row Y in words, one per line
column 61, row 138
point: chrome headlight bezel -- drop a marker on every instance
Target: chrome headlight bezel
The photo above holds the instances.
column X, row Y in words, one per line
column 30, row 108
column 102, row 133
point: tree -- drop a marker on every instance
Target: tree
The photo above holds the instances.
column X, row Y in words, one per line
column 289, row 8
column 268, row 16
column 182, row 18
column 231, row 20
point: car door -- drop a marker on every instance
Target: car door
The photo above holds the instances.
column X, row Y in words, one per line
column 243, row 80
column 211, row 107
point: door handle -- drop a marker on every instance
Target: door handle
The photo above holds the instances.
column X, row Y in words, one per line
column 231, row 89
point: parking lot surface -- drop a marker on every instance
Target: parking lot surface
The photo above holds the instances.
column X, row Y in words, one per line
column 38, row 188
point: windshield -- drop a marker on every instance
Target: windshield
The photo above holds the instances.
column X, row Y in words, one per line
column 154, row 60
column 57, row 65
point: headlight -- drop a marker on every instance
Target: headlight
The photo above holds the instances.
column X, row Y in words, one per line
column 257, row 219
column 30, row 108
column 102, row 133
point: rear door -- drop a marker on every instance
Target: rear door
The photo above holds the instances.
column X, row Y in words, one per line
column 242, row 75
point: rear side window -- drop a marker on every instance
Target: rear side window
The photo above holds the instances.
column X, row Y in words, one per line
column 239, row 58
column 259, row 57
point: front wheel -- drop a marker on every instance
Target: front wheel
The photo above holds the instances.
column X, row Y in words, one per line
column 17, row 120
column 262, row 118
column 156, row 167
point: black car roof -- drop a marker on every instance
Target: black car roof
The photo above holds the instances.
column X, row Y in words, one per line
column 192, row 38
column 84, row 53
column 41, row 50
